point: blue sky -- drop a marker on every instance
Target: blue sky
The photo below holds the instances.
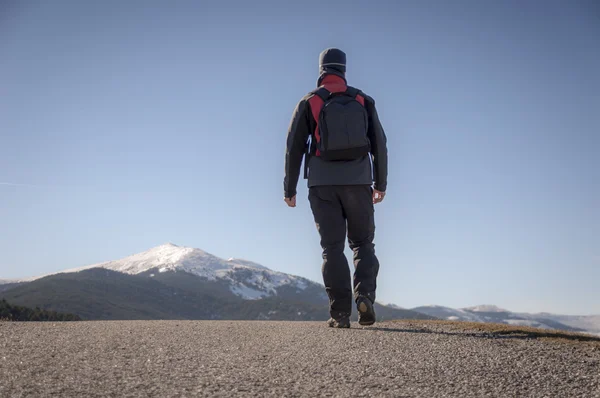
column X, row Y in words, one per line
column 132, row 124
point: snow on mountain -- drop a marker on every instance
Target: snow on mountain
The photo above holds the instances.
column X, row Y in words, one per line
column 526, row 322
column 494, row 314
column 590, row 323
column 485, row 308
column 5, row 281
column 246, row 263
column 246, row 279
column 452, row 314
column 391, row 305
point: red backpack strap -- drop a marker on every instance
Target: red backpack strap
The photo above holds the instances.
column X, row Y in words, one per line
column 316, row 103
column 360, row 99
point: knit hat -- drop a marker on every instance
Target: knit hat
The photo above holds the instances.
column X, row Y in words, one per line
column 332, row 59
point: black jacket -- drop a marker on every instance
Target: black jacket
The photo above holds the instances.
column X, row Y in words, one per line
column 357, row 172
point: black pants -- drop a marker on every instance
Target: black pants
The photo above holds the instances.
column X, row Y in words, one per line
column 334, row 209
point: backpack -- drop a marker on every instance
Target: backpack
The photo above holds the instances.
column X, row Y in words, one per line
column 342, row 125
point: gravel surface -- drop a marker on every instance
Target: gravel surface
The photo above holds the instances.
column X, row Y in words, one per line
column 257, row 358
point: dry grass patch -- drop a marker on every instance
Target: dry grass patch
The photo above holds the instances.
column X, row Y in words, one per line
column 504, row 330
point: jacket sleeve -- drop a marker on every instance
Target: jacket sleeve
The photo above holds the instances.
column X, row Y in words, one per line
column 378, row 147
column 297, row 138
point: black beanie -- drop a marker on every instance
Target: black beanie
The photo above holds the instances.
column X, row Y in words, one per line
column 332, row 59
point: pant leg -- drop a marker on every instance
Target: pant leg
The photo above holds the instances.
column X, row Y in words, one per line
column 331, row 224
column 357, row 202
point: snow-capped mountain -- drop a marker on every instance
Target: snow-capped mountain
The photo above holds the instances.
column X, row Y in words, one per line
column 392, row 305
column 449, row 313
column 494, row 314
column 246, row 279
column 485, row 308
column 172, row 282
column 5, row 281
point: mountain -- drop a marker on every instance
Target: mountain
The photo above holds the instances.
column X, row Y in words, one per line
column 493, row 314
column 485, row 308
column 589, row 323
column 244, row 278
column 449, row 313
column 172, row 282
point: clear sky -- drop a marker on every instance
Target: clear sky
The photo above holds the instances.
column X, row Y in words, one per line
column 128, row 124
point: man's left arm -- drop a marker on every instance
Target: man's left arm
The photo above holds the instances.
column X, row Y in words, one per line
column 378, row 151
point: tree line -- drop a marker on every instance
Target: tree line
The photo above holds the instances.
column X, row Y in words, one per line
column 10, row 312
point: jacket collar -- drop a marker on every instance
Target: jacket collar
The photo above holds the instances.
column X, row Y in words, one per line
column 331, row 78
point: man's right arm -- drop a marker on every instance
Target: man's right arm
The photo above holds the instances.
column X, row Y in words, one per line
column 297, row 138
column 378, row 146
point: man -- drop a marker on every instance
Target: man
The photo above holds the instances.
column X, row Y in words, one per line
column 338, row 129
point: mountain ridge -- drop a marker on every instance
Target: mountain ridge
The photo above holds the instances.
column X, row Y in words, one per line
column 494, row 314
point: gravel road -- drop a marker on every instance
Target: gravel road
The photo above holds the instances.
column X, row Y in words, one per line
column 272, row 359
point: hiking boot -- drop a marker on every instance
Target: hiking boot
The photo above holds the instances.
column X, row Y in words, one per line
column 341, row 323
column 366, row 312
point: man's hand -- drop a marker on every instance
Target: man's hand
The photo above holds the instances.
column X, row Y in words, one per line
column 377, row 196
column 291, row 202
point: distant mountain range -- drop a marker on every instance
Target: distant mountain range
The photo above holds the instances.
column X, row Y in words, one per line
column 173, row 282
column 491, row 313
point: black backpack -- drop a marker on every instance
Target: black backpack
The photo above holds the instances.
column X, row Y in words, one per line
column 342, row 126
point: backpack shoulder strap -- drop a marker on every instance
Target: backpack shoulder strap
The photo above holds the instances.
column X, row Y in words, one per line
column 351, row 91
column 357, row 94
column 323, row 93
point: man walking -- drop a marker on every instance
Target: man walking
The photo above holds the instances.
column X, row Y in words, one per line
column 338, row 129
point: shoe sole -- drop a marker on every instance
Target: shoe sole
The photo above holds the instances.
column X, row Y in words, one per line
column 364, row 310
column 338, row 325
